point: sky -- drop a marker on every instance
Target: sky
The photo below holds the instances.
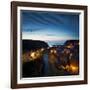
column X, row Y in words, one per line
column 49, row 26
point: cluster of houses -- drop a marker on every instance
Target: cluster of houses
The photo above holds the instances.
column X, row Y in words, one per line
column 49, row 61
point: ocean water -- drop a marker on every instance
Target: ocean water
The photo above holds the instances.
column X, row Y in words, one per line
column 59, row 42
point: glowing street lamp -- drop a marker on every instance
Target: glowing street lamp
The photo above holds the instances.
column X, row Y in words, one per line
column 73, row 69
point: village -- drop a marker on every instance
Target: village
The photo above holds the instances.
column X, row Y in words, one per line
column 58, row 60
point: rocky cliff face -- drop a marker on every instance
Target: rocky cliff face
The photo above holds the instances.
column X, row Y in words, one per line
column 28, row 45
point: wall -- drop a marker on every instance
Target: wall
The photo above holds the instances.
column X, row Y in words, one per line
column 5, row 44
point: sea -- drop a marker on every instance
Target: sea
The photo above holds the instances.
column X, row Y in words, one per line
column 58, row 42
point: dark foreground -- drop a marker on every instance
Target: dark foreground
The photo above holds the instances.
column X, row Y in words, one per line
column 43, row 61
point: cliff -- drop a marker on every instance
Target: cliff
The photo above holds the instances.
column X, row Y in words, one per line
column 28, row 45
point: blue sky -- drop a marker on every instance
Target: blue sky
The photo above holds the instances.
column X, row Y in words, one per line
column 49, row 26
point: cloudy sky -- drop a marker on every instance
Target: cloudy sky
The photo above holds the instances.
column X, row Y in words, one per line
column 49, row 26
